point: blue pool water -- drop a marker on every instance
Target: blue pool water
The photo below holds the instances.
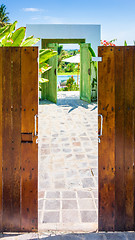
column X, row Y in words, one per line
column 66, row 77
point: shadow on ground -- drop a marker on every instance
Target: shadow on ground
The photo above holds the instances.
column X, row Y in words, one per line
column 70, row 103
column 72, row 236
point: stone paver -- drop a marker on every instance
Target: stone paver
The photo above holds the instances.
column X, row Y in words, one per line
column 68, row 163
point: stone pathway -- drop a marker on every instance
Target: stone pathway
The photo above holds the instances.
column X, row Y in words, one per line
column 68, row 164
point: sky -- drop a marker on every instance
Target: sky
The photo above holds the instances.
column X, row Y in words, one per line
column 116, row 17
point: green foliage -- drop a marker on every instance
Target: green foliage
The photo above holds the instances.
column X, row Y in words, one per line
column 42, row 80
column 30, row 41
column 64, row 67
column 60, row 47
column 125, row 43
column 46, row 54
column 71, row 85
column 113, row 40
column 70, row 67
column 18, row 36
column 4, row 19
column 12, row 37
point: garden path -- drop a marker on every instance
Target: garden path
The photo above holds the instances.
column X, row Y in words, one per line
column 68, row 164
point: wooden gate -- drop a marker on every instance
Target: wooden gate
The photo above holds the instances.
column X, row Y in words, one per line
column 49, row 89
column 18, row 130
column 116, row 104
column 85, row 72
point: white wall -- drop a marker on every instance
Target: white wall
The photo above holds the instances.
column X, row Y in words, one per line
column 90, row 32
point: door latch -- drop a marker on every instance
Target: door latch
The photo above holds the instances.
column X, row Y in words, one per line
column 36, row 116
column 101, row 128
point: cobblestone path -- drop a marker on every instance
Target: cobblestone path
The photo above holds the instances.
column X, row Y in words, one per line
column 68, row 164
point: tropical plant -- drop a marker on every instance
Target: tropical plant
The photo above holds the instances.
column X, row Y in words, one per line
column 70, row 67
column 125, row 43
column 71, row 85
column 60, row 47
column 108, row 43
column 12, row 37
column 4, row 19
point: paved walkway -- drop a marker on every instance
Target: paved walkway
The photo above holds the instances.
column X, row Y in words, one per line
column 68, row 164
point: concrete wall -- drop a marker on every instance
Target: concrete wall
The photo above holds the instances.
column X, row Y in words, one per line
column 90, row 32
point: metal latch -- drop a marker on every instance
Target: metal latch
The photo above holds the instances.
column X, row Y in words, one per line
column 101, row 129
column 36, row 116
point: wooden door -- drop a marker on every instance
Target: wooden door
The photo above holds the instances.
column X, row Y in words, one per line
column 51, row 86
column 116, row 103
column 18, row 146
column 85, row 73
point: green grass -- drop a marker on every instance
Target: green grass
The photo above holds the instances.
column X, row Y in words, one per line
column 68, row 73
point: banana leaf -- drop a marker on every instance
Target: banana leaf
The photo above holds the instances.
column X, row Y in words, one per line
column 2, row 29
column 43, row 67
column 42, row 80
column 46, row 54
column 30, row 41
column 5, row 32
column 18, row 36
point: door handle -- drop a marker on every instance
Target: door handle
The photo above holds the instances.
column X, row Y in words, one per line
column 36, row 116
column 101, row 128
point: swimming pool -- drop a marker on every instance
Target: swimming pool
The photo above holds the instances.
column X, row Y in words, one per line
column 66, row 77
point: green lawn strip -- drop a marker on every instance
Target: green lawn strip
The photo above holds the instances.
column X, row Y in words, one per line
column 68, row 73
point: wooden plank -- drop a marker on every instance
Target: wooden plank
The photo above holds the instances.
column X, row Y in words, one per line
column 7, row 141
column 51, row 86
column 16, row 136
column 119, row 140
column 1, row 139
column 29, row 151
column 27, row 137
column 85, row 73
column 106, row 162
column 134, row 129
column 129, row 139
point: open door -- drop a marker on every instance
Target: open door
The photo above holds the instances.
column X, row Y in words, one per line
column 85, row 72
column 116, row 150
column 18, row 139
column 51, row 86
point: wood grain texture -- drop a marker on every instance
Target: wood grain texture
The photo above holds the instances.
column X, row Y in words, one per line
column 7, row 141
column 85, row 73
column 119, row 139
column 106, row 103
column 16, row 136
column 1, row 95
column 29, row 151
column 51, row 86
column 117, row 148
column 134, row 130
column 129, row 139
